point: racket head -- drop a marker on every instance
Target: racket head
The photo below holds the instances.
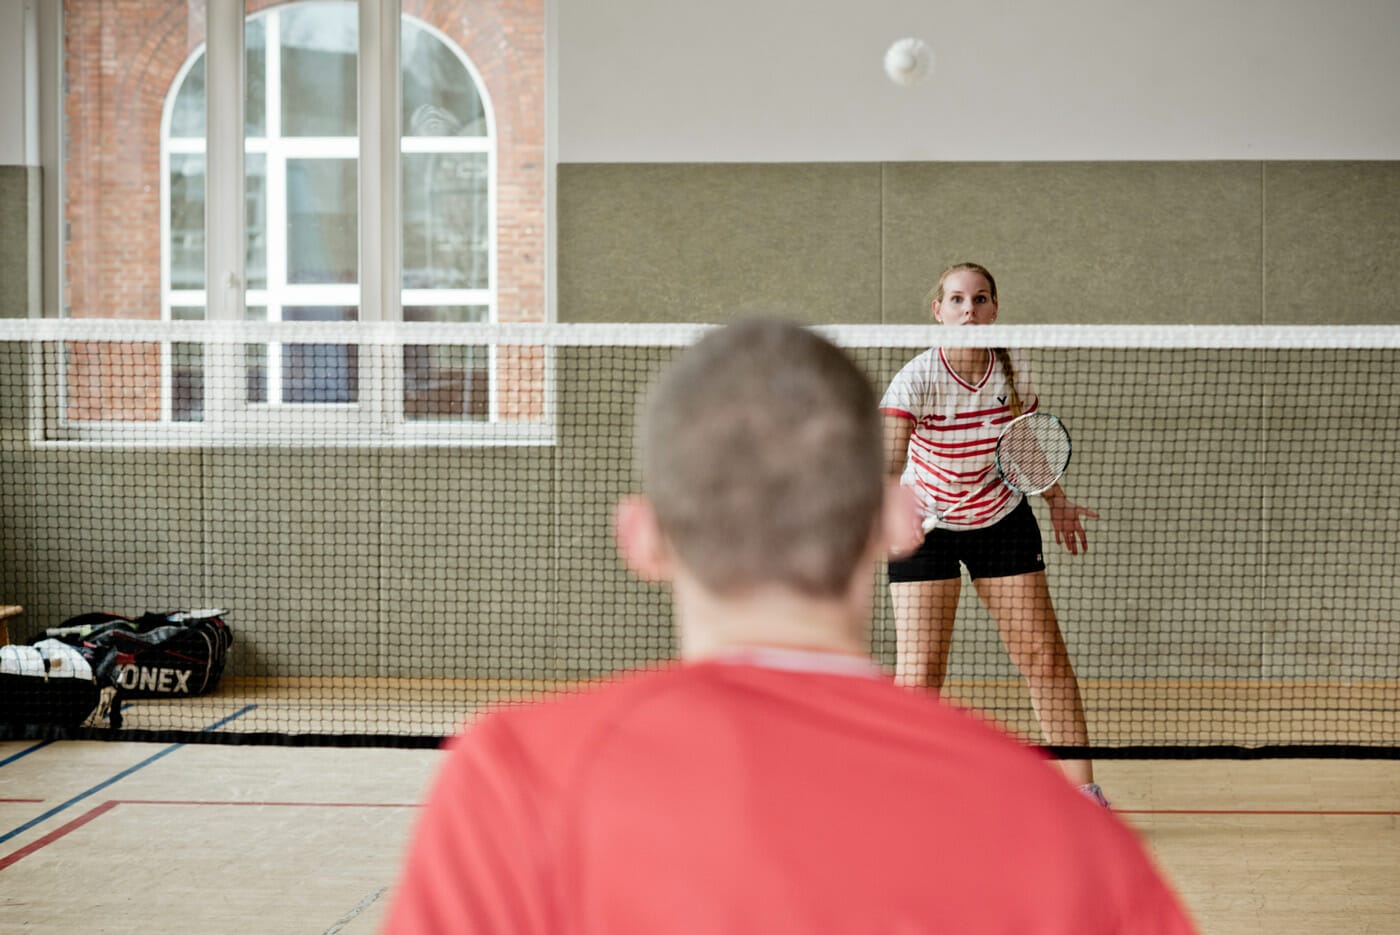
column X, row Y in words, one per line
column 1033, row 452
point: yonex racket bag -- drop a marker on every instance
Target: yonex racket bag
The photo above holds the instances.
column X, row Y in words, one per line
column 47, row 683
column 169, row 655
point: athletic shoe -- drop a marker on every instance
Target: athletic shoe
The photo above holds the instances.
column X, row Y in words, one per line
column 1092, row 790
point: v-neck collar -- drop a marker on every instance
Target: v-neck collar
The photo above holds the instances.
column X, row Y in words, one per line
column 961, row 382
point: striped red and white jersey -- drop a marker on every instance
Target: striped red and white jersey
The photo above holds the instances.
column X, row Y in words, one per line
column 951, row 464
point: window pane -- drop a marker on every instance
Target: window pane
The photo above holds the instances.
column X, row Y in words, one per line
column 255, row 77
column 255, row 361
column 320, row 373
column 446, row 221
column 322, row 221
column 456, row 314
column 186, row 221
column 187, row 371
column 187, row 382
column 319, row 49
column 255, row 219
column 439, row 95
column 446, row 382
column 187, row 114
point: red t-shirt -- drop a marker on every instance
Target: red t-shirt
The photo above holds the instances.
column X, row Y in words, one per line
column 766, row 795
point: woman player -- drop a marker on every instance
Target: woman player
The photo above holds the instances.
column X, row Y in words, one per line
column 943, row 414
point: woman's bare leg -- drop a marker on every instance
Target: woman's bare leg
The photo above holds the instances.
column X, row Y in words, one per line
column 923, row 616
column 1025, row 617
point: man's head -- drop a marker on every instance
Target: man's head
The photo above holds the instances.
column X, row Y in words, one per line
column 762, row 460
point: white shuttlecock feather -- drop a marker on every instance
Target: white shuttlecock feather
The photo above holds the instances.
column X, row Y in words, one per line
column 908, row 61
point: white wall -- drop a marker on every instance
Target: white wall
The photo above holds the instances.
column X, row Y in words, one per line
column 801, row 80
column 19, row 70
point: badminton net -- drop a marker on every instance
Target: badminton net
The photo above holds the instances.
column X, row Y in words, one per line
column 408, row 523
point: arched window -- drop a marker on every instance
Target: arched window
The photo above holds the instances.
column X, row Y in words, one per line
column 302, row 191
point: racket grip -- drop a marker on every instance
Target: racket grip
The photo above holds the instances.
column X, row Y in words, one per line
column 929, row 523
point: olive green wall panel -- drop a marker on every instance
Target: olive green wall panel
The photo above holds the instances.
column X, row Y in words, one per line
column 466, row 568
column 14, row 394
column 114, row 530
column 605, row 619
column 1332, row 243
column 1130, row 242
column 295, row 546
column 384, row 562
column 20, row 226
column 1074, row 242
column 1161, row 243
column 1166, row 454
column 1333, row 523
column 698, row 242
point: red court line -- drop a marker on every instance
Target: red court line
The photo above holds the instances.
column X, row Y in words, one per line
column 1247, row 811
column 3, row 801
column 110, row 804
column 55, row 834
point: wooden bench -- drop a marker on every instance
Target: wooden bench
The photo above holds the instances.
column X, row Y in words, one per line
column 7, row 611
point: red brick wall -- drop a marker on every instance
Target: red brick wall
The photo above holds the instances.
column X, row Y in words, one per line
column 120, row 60
column 122, row 57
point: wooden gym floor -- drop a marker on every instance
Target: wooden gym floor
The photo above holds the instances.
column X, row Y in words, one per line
column 167, row 838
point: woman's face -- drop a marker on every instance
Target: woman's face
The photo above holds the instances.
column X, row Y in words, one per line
column 967, row 300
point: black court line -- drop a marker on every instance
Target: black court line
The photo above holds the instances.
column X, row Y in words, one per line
column 119, row 776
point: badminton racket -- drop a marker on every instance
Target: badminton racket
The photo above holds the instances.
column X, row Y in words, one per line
column 1031, row 455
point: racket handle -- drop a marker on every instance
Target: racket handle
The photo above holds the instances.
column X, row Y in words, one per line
column 931, row 522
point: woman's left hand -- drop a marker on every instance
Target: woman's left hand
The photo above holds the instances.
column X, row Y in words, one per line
column 1065, row 517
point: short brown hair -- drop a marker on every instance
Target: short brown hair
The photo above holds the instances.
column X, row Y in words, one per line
column 762, row 456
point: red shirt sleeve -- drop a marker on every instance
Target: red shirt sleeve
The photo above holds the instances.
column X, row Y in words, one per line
column 477, row 860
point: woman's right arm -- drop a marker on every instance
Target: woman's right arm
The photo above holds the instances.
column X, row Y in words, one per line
column 897, row 432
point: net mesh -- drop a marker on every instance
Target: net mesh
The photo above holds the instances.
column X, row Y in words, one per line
column 404, row 524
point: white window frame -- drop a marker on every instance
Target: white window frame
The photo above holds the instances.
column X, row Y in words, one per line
column 376, row 419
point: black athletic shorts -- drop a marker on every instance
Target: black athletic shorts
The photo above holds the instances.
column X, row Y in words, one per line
column 1010, row 546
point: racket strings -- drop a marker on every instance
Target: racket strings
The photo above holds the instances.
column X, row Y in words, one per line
column 1033, row 454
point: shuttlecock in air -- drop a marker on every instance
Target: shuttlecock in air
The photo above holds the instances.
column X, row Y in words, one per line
column 908, row 61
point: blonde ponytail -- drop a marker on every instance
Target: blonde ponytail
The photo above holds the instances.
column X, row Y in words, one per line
column 1013, row 397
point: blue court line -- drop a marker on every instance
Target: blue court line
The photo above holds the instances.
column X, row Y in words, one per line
column 23, row 753
column 119, row 776
column 44, row 743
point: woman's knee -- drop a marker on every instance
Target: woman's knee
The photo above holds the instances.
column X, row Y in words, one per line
column 1041, row 658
